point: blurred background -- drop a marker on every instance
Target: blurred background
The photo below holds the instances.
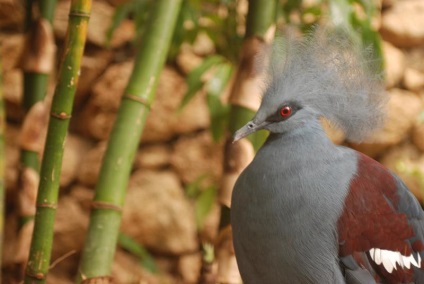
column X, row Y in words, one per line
column 171, row 215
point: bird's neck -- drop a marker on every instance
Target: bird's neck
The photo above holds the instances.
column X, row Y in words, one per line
column 310, row 134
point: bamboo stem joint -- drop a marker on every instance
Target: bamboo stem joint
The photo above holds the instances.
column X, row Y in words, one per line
column 62, row 115
column 105, row 205
column 137, row 99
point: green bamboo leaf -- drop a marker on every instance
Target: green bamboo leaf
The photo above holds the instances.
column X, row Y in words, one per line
column 217, row 110
column 193, row 189
column 204, row 204
column 121, row 13
column 194, row 79
column 340, row 13
column 132, row 246
column 141, row 14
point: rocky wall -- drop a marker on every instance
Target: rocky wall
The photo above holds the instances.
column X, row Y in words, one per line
column 176, row 148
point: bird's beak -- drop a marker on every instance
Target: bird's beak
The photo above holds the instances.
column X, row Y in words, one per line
column 249, row 128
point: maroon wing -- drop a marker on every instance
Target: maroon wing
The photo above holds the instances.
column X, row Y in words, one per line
column 380, row 213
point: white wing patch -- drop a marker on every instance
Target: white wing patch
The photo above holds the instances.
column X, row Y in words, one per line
column 389, row 259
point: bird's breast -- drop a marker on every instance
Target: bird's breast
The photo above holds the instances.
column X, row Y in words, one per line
column 285, row 210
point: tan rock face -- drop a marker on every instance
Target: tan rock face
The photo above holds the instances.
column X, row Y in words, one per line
column 402, row 111
column 415, row 58
column 197, row 156
column 12, row 157
column 189, row 267
column 413, row 80
column 407, row 161
column 108, row 90
column 187, row 60
column 11, row 14
column 403, row 23
column 158, row 215
column 94, row 62
column 395, row 64
column 164, row 120
column 100, row 21
column 10, row 50
column 418, row 135
column 127, row 269
column 153, row 156
column 89, row 168
column 75, row 150
column 13, row 92
column 69, row 232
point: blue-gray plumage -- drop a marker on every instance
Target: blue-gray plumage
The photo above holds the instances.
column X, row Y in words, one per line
column 306, row 210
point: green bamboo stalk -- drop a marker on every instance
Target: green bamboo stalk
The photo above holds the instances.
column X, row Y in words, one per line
column 39, row 258
column 36, row 76
column 259, row 29
column 2, row 163
column 111, row 187
column 260, row 18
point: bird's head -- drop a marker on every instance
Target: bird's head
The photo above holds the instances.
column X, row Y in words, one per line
column 325, row 74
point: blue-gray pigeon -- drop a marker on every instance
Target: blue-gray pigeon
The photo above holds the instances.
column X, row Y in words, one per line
column 306, row 210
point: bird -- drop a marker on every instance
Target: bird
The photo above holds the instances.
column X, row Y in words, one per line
column 306, row 210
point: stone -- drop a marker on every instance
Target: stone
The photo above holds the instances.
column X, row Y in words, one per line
column 108, row 90
column 210, row 226
column 11, row 48
column 387, row 3
column 415, row 57
column 154, row 156
column 12, row 15
column 12, row 157
column 402, row 111
column 83, row 195
column 100, row 22
column 407, row 162
column 395, row 64
column 127, row 269
column 203, row 45
column 156, row 211
column 403, row 23
column 187, row 60
column 70, row 228
column 13, row 92
column 75, row 150
column 164, row 121
column 94, row 122
column 189, row 266
column 417, row 136
column 413, row 80
column 89, row 167
column 198, row 156
column 94, row 63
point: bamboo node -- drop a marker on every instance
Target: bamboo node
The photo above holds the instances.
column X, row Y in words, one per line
column 37, row 275
column 61, row 115
column 98, row 280
column 79, row 14
column 47, row 205
column 137, row 99
column 105, row 205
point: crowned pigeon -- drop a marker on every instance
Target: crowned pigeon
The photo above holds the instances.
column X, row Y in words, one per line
column 306, row 210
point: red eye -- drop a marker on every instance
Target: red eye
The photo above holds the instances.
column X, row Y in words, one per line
column 285, row 111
